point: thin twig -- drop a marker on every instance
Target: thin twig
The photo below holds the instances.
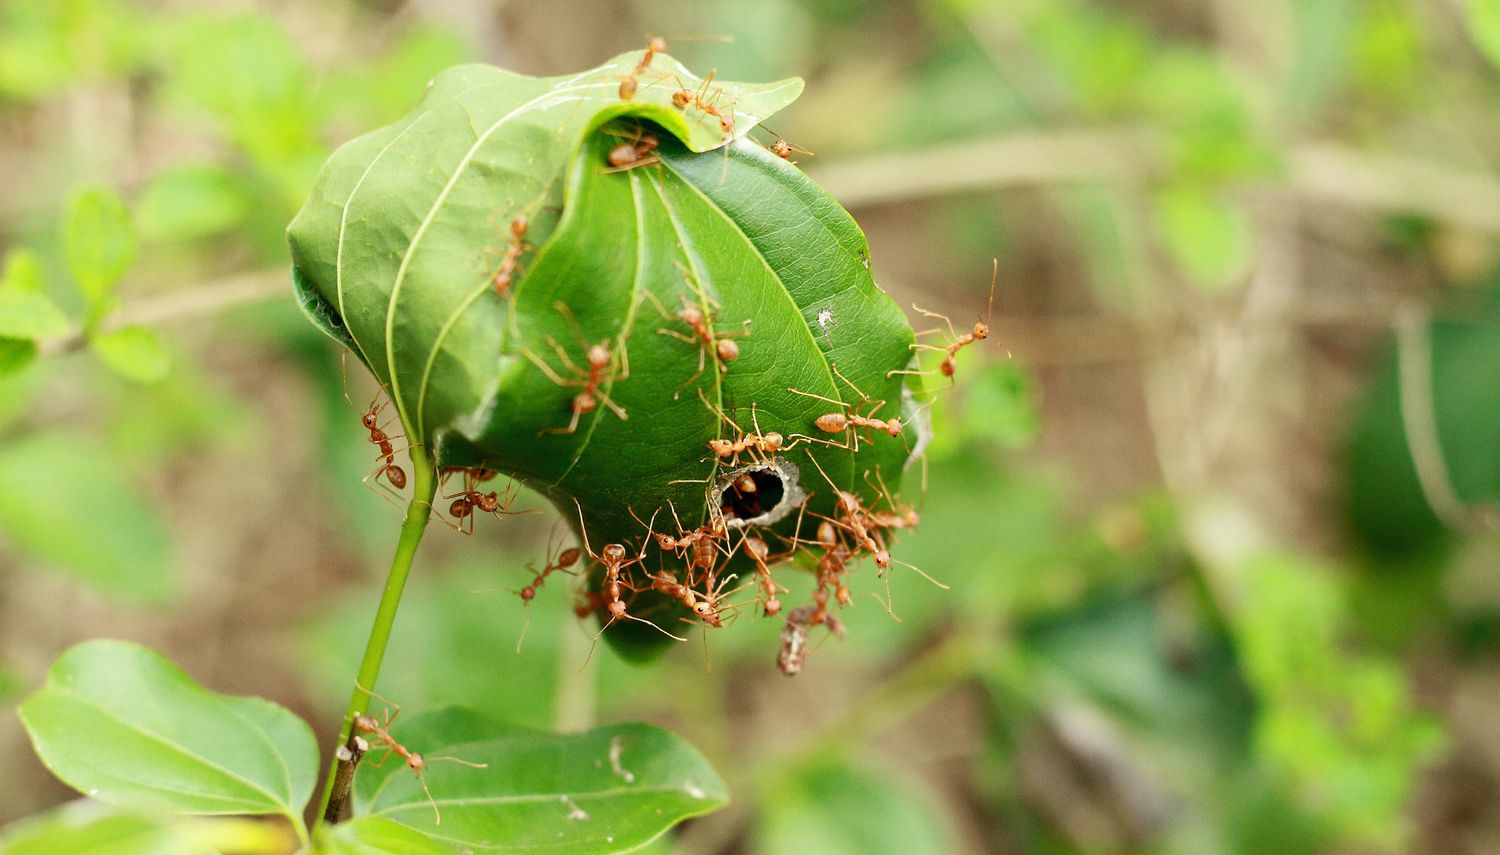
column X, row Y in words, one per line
column 185, row 304
column 348, row 757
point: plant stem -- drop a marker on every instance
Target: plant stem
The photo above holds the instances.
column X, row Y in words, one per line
column 424, row 484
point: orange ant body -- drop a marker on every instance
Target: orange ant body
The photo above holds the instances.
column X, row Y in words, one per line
column 628, row 86
column 511, row 263
column 636, row 152
column 764, row 444
column 981, row 331
column 614, row 562
column 600, row 360
column 380, row 729
column 759, row 553
column 564, row 562
column 685, row 97
column 722, row 345
column 851, row 420
column 785, row 150
column 393, row 473
column 701, row 606
column 470, row 499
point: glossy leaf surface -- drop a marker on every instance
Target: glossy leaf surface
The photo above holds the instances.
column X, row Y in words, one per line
column 610, row 789
column 126, row 726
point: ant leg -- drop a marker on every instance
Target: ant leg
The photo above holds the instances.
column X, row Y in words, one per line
column 562, row 353
column 940, row 316
column 608, row 402
column 547, row 369
column 833, row 401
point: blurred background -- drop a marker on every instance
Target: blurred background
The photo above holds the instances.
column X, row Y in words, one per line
column 1218, row 514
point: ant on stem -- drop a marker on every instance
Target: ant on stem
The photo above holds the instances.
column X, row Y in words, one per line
column 380, row 730
column 381, row 440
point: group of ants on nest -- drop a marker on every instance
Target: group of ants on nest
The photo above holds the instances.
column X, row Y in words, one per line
column 853, row 531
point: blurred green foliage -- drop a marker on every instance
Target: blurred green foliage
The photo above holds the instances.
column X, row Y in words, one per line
column 1118, row 691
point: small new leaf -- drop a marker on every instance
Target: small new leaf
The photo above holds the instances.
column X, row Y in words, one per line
column 134, row 353
column 99, row 244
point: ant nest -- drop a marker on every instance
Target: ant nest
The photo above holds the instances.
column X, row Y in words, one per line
column 759, row 494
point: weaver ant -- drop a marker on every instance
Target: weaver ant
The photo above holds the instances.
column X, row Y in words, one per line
column 381, row 440
column 563, row 562
column 685, row 97
column 785, row 150
column 850, row 420
column 981, row 331
column 765, row 445
column 614, row 563
column 702, row 606
column 600, row 360
column 722, row 345
column 654, row 46
column 510, row 263
column 470, row 499
column 380, row 729
column 636, row 152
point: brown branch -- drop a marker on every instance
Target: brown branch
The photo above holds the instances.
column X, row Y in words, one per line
column 184, row 304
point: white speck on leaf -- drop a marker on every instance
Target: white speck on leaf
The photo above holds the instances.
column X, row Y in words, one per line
column 616, row 749
column 692, row 790
column 575, row 812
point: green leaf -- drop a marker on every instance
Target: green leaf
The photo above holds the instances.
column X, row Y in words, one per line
column 23, row 272
column 1208, row 237
column 376, row 835
column 134, row 353
column 610, row 789
column 128, row 727
column 838, row 808
column 99, row 244
column 15, row 355
column 402, row 230
column 30, row 315
column 126, row 551
column 89, row 828
column 189, row 202
column 1484, row 25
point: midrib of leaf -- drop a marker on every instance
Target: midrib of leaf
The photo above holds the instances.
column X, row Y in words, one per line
column 181, row 750
column 400, row 280
column 529, row 798
column 624, row 336
column 780, row 288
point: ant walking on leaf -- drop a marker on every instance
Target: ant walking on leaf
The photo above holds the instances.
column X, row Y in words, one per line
column 380, row 729
column 699, row 318
column 601, row 369
column 386, row 455
column 470, row 499
column 849, row 419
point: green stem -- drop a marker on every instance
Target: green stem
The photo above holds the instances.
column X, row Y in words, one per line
column 424, row 484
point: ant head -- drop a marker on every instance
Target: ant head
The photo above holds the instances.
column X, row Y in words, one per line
column 882, row 559
column 656, row 44
column 598, row 356
column 568, row 557
column 721, row 447
column 416, row 762
column 772, row 607
column 782, row 149
column 614, row 552
column 519, row 225
column 727, row 349
column 690, row 314
column 616, row 609
column 370, row 420
column 893, row 426
column 528, row 593
column 585, row 402
column 981, row 330
column 682, row 98
column 365, row 723
column 772, row 441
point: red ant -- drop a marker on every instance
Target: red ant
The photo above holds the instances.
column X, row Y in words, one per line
column 703, row 608
column 378, row 437
column 654, row 46
column 759, row 553
column 980, row 332
column 685, row 97
column 614, row 563
column 765, row 445
column 600, row 360
column 721, row 345
column 512, row 261
column 785, row 150
column 699, row 543
column 470, row 499
column 850, row 420
column 637, row 152
column 380, row 729
column 564, row 562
